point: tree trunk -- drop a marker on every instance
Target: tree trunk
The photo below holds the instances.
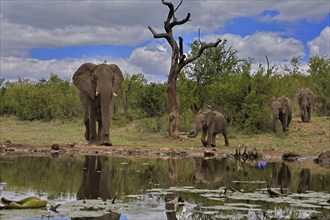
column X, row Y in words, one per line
column 174, row 109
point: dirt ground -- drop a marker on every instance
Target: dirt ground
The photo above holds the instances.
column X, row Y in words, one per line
column 306, row 139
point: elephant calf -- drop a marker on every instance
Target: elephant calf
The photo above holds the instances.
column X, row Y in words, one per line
column 306, row 103
column 282, row 110
column 211, row 123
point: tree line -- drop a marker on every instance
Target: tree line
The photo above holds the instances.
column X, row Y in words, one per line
column 218, row 78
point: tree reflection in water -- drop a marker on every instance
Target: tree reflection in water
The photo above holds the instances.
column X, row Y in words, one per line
column 170, row 196
column 304, row 180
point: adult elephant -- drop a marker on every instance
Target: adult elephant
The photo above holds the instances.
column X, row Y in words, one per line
column 306, row 103
column 98, row 85
column 211, row 123
column 282, row 110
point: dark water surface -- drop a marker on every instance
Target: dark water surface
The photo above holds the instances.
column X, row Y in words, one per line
column 164, row 188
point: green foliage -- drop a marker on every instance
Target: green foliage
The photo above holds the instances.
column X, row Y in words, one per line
column 129, row 92
column 152, row 100
column 215, row 65
column 154, row 124
column 319, row 70
column 46, row 99
column 232, row 86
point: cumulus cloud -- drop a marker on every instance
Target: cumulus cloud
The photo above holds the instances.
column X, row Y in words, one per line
column 13, row 68
column 61, row 23
column 154, row 60
column 52, row 24
column 259, row 44
column 321, row 44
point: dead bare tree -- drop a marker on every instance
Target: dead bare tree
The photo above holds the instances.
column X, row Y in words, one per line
column 178, row 62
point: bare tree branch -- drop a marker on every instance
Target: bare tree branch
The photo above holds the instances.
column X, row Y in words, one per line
column 175, row 22
column 171, row 10
column 178, row 5
column 158, row 35
column 181, row 46
column 200, row 52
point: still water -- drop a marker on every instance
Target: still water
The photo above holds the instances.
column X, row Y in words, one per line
column 120, row 188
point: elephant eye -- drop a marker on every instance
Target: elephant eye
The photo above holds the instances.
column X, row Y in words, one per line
column 94, row 77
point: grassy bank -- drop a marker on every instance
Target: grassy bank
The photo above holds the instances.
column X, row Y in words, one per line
column 305, row 139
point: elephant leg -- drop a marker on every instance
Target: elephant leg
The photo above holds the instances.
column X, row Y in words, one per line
column 209, row 138
column 226, row 139
column 213, row 141
column 309, row 118
column 204, row 142
column 92, row 126
column 289, row 120
column 285, row 123
column 99, row 130
column 86, row 123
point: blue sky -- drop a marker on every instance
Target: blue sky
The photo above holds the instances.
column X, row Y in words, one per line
column 40, row 37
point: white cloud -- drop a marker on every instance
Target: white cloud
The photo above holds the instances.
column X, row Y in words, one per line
column 50, row 24
column 259, row 44
column 321, row 44
column 35, row 69
column 154, row 60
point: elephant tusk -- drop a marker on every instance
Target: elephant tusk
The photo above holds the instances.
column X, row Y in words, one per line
column 114, row 94
column 96, row 93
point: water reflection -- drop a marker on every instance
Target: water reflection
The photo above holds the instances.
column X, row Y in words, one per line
column 284, row 176
column 304, row 180
column 210, row 170
column 96, row 177
column 108, row 216
column 155, row 187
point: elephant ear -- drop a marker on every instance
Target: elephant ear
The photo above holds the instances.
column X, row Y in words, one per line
column 82, row 78
column 271, row 101
column 209, row 118
column 118, row 77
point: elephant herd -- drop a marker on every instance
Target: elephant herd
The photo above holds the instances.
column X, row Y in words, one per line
column 212, row 122
column 98, row 85
column 282, row 109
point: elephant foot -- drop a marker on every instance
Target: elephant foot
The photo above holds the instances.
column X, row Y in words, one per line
column 92, row 143
column 227, row 144
column 204, row 143
column 86, row 136
column 213, row 145
column 106, row 143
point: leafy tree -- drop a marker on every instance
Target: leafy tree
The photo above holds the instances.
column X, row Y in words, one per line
column 215, row 65
column 319, row 70
column 130, row 90
column 45, row 99
column 152, row 101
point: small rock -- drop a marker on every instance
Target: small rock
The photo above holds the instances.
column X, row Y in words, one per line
column 290, row 157
column 55, row 147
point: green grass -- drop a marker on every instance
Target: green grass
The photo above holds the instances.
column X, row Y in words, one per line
column 305, row 139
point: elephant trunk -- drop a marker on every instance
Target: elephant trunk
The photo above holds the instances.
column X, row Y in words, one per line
column 195, row 132
column 106, row 112
column 304, row 112
column 274, row 122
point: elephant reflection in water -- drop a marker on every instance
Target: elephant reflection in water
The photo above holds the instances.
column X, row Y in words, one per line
column 209, row 170
column 284, row 176
column 304, row 180
column 108, row 216
column 95, row 179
